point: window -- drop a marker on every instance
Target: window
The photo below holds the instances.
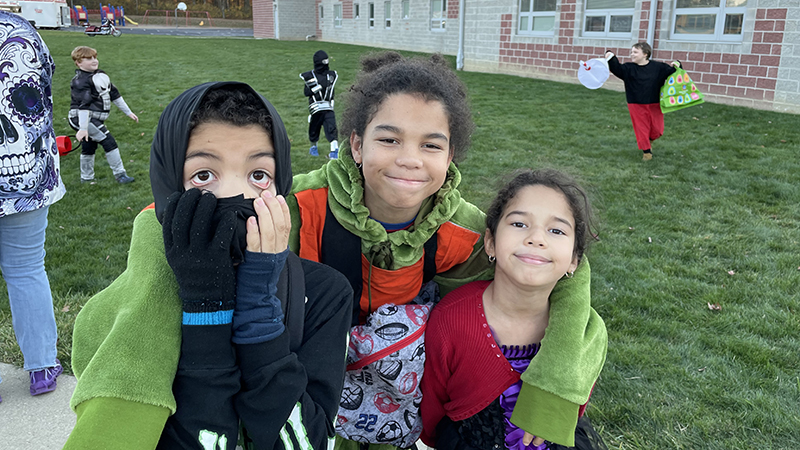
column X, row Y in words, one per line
column 371, row 8
column 337, row 15
column 321, row 12
column 438, row 14
column 405, row 9
column 709, row 20
column 387, row 14
column 611, row 18
column 537, row 16
column 356, row 10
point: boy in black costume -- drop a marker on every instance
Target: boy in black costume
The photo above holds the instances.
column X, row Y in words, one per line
column 92, row 95
column 319, row 85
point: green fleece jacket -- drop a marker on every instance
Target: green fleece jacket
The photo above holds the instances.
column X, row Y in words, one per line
column 125, row 365
column 560, row 378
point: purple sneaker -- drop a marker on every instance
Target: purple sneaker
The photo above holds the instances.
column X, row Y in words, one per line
column 45, row 380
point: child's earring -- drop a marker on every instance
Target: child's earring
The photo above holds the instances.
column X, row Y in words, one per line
column 570, row 274
column 359, row 165
column 492, row 259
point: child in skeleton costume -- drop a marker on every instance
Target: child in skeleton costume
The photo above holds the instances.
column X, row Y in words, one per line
column 92, row 95
column 319, row 87
column 30, row 181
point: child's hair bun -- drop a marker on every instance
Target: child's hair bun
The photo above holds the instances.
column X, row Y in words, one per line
column 375, row 61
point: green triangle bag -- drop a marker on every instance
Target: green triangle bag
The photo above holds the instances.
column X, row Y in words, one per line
column 678, row 92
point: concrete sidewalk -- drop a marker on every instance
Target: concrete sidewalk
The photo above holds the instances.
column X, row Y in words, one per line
column 34, row 423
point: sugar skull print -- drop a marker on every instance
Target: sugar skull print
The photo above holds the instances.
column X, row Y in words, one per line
column 29, row 165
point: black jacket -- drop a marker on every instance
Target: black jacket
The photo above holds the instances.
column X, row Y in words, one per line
column 92, row 91
column 278, row 394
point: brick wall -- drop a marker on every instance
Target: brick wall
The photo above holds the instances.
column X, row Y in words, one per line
column 263, row 19
column 763, row 70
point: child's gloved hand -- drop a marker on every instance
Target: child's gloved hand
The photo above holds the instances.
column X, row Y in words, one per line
column 199, row 254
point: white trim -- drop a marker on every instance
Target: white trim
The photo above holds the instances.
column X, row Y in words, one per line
column 337, row 18
column 719, row 12
column 438, row 23
column 529, row 18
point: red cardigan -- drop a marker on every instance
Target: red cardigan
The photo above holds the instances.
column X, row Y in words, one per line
column 465, row 370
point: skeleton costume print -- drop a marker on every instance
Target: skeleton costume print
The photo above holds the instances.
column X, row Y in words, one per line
column 30, row 176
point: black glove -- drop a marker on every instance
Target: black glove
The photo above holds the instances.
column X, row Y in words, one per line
column 198, row 250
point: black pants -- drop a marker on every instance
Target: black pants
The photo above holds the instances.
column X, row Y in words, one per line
column 320, row 119
column 98, row 133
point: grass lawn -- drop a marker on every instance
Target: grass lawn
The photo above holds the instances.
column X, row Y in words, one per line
column 713, row 219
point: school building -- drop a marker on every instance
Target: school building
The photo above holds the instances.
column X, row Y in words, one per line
column 742, row 52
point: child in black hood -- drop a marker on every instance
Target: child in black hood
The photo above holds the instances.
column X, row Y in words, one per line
column 319, row 87
column 201, row 331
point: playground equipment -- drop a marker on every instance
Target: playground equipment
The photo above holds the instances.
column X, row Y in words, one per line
column 115, row 15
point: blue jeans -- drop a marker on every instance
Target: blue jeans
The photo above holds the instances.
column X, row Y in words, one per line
column 22, row 264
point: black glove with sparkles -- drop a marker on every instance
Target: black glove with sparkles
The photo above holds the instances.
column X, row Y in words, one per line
column 198, row 251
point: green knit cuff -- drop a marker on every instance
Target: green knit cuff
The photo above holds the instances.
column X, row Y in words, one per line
column 546, row 415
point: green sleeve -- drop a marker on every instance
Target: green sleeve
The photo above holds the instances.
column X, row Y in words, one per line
column 561, row 376
column 105, row 422
column 546, row 415
column 294, row 213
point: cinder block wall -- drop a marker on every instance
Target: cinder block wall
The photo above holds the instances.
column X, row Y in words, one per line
column 413, row 33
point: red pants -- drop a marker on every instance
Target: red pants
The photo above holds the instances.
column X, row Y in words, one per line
column 648, row 123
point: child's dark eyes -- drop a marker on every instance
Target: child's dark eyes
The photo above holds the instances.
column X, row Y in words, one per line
column 557, row 231
column 202, row 178
column 261, row 178
column 433, row 147
column 518, row 225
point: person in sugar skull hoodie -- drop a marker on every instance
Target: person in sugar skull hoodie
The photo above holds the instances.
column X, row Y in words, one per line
column 30, row 182
column 192, row 338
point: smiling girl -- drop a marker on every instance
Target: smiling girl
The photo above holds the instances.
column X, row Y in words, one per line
column 483, row 336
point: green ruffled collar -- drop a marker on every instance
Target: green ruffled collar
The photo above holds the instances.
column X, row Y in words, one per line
column 388, row 250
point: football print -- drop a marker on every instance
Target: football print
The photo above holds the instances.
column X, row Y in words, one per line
column 388, row 370
column 408, row 383
column 392, row 331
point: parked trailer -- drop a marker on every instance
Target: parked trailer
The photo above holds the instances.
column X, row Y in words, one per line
column 46, row 14
column 10, row 6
